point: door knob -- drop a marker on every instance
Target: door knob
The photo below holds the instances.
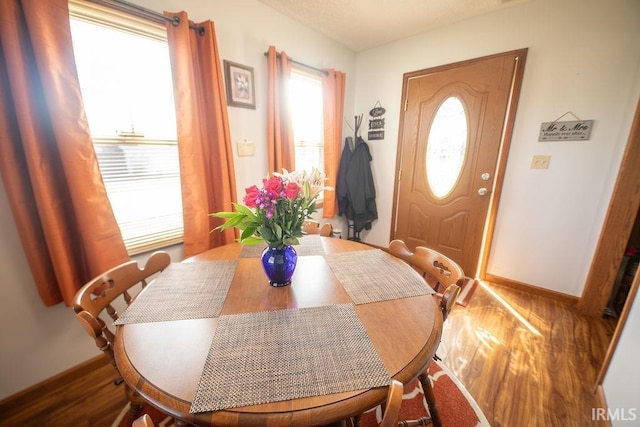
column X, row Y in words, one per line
column 485, row 176
column 483, row 191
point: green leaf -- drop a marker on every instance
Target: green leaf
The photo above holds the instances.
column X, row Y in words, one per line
column 224, row 214
column 234, row 222
column 244, row 210
column 248, row 232
column 252, row 241
column 277, row 230
column 290, row 241
column 248, row 223
column 221, row 227
column 267, row 234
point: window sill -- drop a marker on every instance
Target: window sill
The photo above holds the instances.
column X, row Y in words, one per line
column 154, row 246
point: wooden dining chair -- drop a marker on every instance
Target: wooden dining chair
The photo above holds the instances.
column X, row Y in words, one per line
column 446, row 274
column 437, row 269
column 97, row 298
column 143, row 421
column 393, row 404
column 310, row 226
column 391, row 410
column 326, row 230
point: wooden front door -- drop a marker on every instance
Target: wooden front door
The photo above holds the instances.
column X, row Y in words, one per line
column 454, row 136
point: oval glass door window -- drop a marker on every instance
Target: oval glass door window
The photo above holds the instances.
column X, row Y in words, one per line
column 446, row 147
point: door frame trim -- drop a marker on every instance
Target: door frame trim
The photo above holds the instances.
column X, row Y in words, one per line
column 618, row 223
column 505, row 144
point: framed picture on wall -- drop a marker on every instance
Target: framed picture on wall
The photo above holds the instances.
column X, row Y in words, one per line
column 240, row 85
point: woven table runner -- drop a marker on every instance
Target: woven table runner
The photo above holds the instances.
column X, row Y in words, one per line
column 309, row 245
column 372, row 276
column 189, row 290
column 287, row 354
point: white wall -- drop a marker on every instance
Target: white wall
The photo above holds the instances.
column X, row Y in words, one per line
column 583, row 57
column 39, row 342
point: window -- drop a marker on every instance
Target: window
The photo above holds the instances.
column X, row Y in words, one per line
column 446, row 147
column 125, row 78
column 305, row 92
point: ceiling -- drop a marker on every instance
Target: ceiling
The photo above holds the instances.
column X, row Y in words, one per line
column 364, row 24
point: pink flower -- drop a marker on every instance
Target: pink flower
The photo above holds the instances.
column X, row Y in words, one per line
column 291, row 190
column 273, row 186
column 251, row 196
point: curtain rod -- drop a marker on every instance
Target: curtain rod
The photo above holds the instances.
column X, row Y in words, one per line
column 317, row 70
column 143, row 12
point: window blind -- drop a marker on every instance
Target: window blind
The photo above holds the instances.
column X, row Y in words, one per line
column 142, row 179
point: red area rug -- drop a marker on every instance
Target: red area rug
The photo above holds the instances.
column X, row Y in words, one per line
column 457, row 407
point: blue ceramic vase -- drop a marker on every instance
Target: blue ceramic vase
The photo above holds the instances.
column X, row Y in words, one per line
column 279, row 264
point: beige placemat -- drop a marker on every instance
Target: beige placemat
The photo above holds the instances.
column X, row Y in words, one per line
column 373, row 275
column 252, row 251
column 189, row 290
column 309, row 245
column 280, row 355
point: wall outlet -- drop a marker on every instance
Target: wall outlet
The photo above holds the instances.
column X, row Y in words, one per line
column 540, row 162
column 246, row 148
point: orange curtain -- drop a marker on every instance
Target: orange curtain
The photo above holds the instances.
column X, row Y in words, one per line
column 280, row 145
column 333, row 84
column 204, row 142
column 47, row 161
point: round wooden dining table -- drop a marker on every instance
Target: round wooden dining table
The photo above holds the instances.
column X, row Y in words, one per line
column 163, row 360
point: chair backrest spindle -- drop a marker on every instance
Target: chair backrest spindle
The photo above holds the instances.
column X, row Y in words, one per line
column 433, row 266
column 98, row 295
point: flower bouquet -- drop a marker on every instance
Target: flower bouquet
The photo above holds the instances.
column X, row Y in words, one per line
column 274, row 214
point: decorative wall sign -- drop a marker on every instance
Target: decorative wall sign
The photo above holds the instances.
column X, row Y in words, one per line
column 239, row 83
column 579, row 130
column 376, row 124
column 566, row 131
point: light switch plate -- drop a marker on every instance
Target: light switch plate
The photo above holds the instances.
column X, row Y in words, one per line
column 246, row 148
column 540, row 162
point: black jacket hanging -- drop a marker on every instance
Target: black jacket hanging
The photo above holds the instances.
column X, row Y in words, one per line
column 341, row 182
column 355, row 188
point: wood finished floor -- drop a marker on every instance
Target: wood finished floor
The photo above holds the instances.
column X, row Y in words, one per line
column 92, row 400
column 527, row 360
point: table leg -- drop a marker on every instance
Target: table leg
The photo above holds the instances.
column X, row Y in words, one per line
column 430, row 398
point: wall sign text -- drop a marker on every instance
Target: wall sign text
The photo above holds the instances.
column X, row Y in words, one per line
column 566, row 131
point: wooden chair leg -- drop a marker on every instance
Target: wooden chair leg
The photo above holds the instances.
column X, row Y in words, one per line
column 420, row 422
column 430, row 398
column 135, row 404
